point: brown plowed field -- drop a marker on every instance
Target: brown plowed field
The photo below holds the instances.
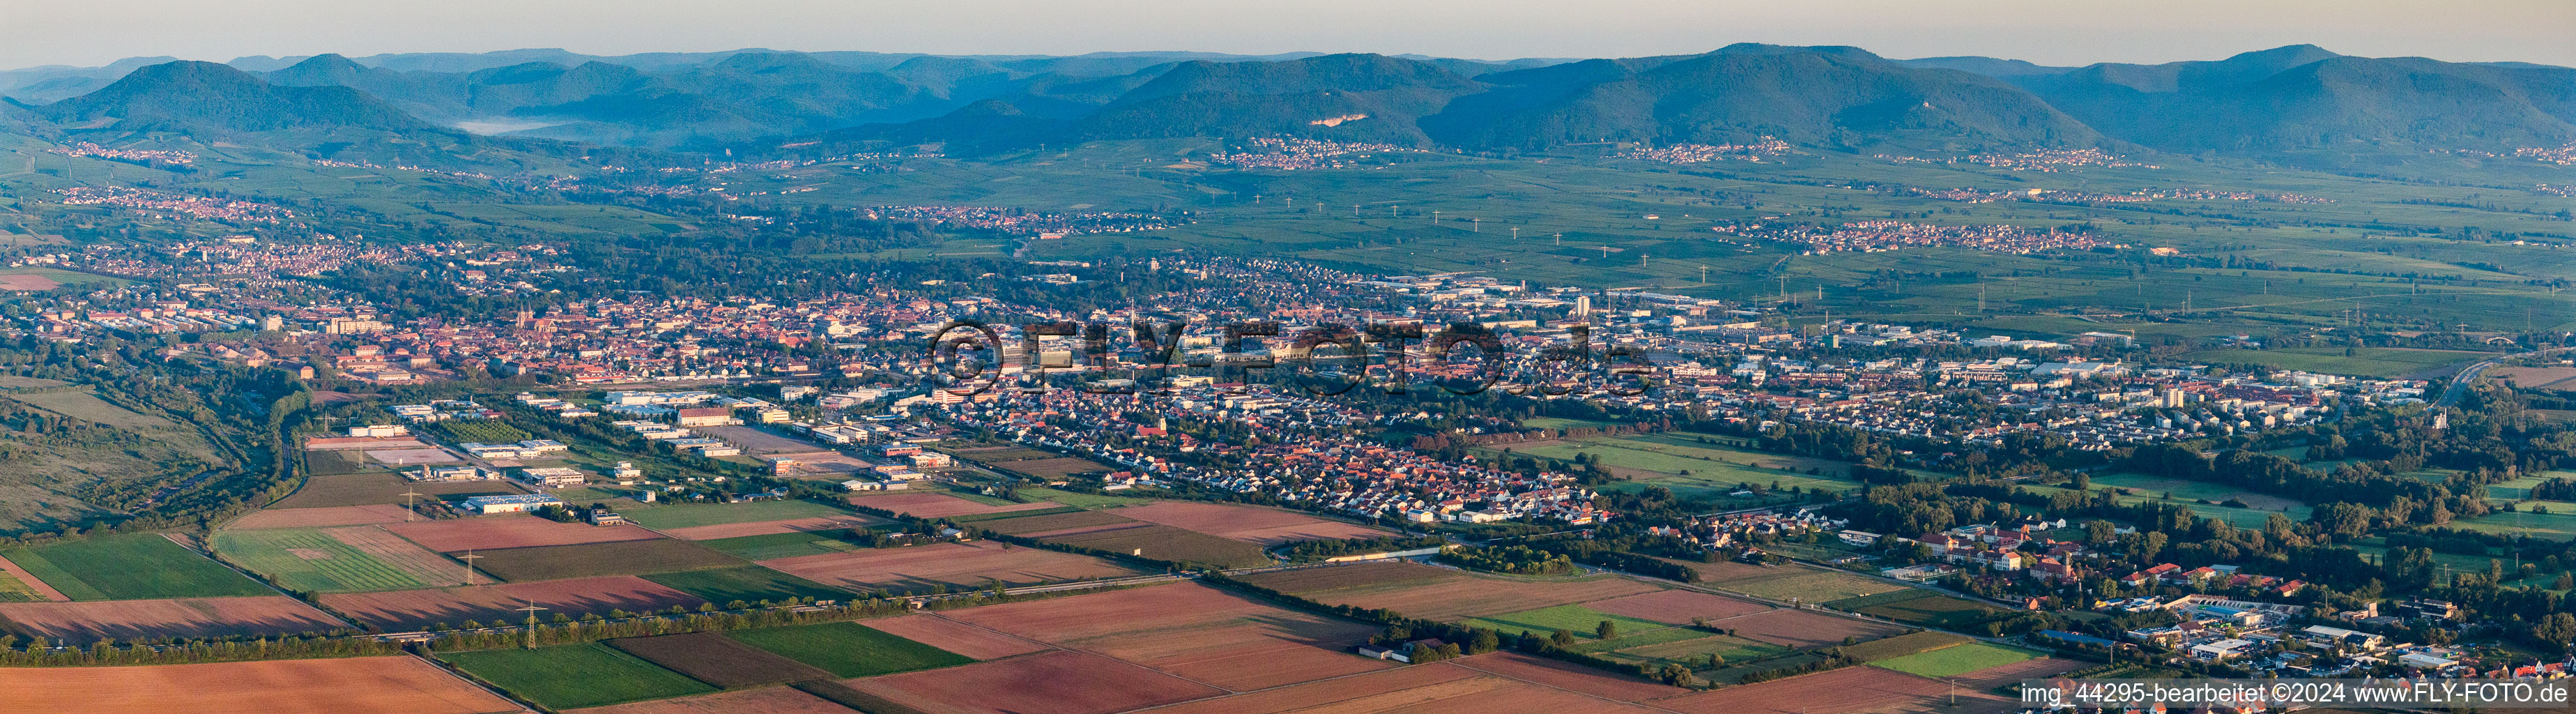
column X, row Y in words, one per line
column 83, row 622
column 1999, row 675
column 497, row 532
column 1461, row 595
column 1724, row 570
column 1052, row 682
column 412, row 609
column 1196, row 632
column 41, row 589
column 1266, row 526
column 375, row 488
column 320, row 517
column 303, row 686
column 955, row 636
column 719, row 660
column 799, row 525
column 1437, row 688
column 1055, row 523
column 1677, row 607
column 1347, row 576
column 773, row 700
column 953, row 564
column 939, row 505
column 1568, row 676
column 1801, row 630
column 1843, row 691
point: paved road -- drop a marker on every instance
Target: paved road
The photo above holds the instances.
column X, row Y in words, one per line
column 2468, row 376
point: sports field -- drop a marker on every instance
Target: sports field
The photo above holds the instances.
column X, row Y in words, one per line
column 1690, row 468
column 569, row 676
column 133, row 566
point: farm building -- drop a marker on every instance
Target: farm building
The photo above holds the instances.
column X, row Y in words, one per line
column 512, row 503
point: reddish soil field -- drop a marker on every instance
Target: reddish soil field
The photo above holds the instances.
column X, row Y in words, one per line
column 47, row 591
column 965, row 564
column 799, row 525
column 1346, row 576
column 1196, row 632
column 773, row 700
column 1842, row 691
column 954, row 636
column 1723, row 570
column 1246, row 523
column 1801, row 630
column 304, row 686
column 1053, row 682
column 2000, row 675
column 412, row 609
column 1437, row 688
column 1568, row 676
column 1460, row 595
column 27, row 282
column 496, row 532
column 84, row 622
column 320, row 517
column 938, row 505
column 1677, row 607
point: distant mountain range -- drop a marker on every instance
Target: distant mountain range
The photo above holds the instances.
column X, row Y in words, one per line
column 2286, row 99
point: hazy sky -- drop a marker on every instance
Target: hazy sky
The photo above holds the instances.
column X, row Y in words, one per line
column 93, row 32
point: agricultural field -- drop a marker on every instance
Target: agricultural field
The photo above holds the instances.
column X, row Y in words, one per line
column 1903, row 645
column 1299, row 582
column 1072, row 521
column 1807, row 585
column 941, row 632
column 716, row 514
column 1056, row 682
column 2380, row 362
column 1954, row 661
column 1459, row 595
column 337, row 559
column 1581, row 620
column 1252, row 524
column 629, row 557
column 404, row 610
column 1050, row 469
column 716, row 659
column 82, row 403
column 134, row 566
column 303, row 686
column 321, row 517
column 1437, row 688
column 1677, row 607
column 1691, row 469
column 509, row 531
column 2207, row 499
column 1934, row 610
column 748, row 583
column 770, row 700
column 839, row 522
column 1166, row 543
column 938, row 505
column 1799, row 629
column 1850, row 690
column 80, row 622
column 1080, row 500
column 1195, row 632
column 952, row 565
column 791, row 544
column 848, row 649
column 570, row 676
column 373, row 488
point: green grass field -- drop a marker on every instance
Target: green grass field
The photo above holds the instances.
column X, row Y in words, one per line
column 750, row 583
column 1582, row 621
column 786, row 545
column 1690, row 468
column 2258, row 507
column 632, row 557
column 1692, row 652
column 716, row 514
column 307, row 560
column 1082, row 500
column 133, row 566
column 849, row 649
column 1809, row 585
column 1940, row 611
column 572, row 676
column 1955, row 661
column 2363, row 362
